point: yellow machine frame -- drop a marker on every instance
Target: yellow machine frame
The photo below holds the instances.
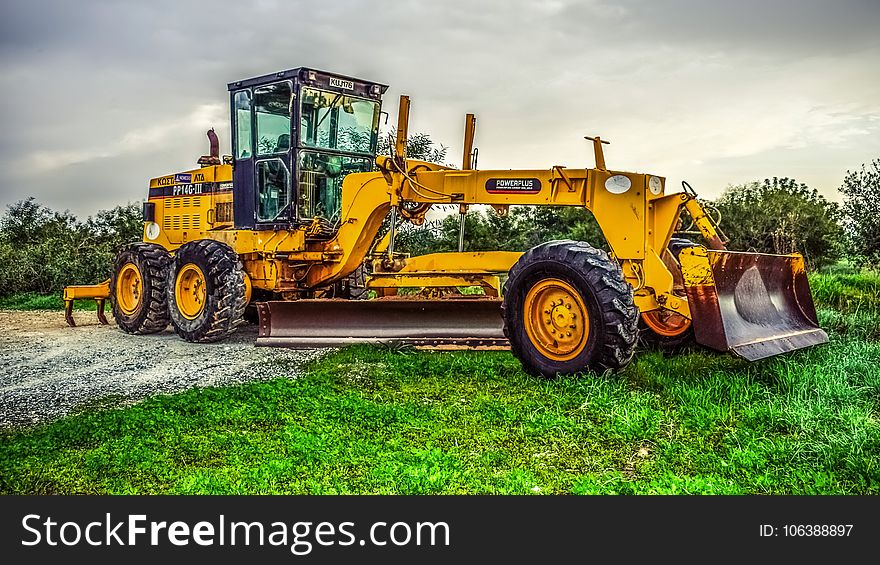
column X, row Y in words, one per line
column 635, row 214
column 754, row 305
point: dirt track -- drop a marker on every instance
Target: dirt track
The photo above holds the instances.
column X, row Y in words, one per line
column 49, row 370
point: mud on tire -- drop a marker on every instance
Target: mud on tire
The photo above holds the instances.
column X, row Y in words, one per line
column 151, row 313
column 598, row 279
column 224, row 291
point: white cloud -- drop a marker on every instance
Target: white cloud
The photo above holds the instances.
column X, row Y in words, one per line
column 141, row 140
column 101, row 97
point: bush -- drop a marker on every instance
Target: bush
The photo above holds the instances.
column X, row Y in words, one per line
column 522, row 228
column 418, row 146
column 43, row 250
column 861, row 207
column 781, row 216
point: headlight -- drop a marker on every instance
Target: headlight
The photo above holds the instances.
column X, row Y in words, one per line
column 618, row 184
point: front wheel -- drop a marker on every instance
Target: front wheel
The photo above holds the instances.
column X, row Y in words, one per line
column 567, row 309
column 207, row 291
column 663, row 329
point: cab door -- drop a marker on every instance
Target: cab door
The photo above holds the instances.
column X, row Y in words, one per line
column 273, row 201
column 261, row 143
column 243, row 166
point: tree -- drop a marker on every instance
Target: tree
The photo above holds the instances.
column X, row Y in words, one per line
column 861, row 210
column 522, row 228
column 484, row 231
column 43, row 250
column 780, row 215
column 409, row 238
column 418, row 146
column 417, row 240
column 545, row 223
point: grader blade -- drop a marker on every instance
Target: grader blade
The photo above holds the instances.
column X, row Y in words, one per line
column 751, row 304
column 455, row 323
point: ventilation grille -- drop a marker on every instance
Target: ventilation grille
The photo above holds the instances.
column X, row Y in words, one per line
column 182, row 222
column 224, row 213
column 178, row 221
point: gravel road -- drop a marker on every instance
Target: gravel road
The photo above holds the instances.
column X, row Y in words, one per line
column 48, row 370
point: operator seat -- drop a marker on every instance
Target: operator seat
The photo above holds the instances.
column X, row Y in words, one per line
column 283, row 143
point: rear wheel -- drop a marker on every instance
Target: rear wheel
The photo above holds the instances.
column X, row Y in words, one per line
column 206, row 290
column 568, row 309
column 352, row 287
column 137, row 288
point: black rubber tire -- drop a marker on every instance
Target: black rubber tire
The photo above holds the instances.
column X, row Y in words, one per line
column 354, row 286
column 225, row 303
column 677, row 244
column 650, row 339
column 606, row 295
column 151, row 315
column 251, row 316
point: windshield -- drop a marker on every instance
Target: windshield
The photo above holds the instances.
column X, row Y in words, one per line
column 320, row 183
column 334, row 120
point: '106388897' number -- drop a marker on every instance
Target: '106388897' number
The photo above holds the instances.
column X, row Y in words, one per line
column 817, row 530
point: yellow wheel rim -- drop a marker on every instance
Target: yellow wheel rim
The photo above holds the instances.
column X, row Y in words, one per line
column 556, row 320
column 189, row 291
column 129, row 288
column 248, row 289
column 666, row 323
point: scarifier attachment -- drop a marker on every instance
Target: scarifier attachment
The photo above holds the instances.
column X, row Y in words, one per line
column 97, row 292
column 752, row 304
column 454, row 323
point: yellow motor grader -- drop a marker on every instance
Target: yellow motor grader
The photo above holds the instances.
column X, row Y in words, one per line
column 291, row 223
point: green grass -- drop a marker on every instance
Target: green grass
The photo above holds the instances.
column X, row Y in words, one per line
column 848, row 292
column 35, row 301
column 373, row 420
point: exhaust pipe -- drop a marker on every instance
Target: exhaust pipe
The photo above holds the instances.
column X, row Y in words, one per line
column 214, row 157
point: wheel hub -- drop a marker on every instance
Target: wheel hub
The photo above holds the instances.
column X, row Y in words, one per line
column 556, row 319
column 129, row 288
column 189, row 291
column 562, row 318
column 666, row 323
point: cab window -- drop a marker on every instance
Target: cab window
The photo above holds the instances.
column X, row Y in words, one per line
column 273, row 192
column 243, row 139
column 272, row 111
column 320, row 183
column 334, row 120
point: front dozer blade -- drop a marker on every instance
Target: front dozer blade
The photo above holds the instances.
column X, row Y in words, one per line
column 752, row 304
column 454, row 323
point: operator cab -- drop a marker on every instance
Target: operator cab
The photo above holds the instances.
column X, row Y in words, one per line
column 295, row 135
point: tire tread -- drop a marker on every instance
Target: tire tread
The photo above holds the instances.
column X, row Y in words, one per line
column 226, row 301
column 619, row 315
column 153, row 261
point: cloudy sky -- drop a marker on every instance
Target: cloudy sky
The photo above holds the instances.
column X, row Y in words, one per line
column 103, row 95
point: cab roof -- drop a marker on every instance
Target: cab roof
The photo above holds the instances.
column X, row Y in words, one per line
column 303, row 75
